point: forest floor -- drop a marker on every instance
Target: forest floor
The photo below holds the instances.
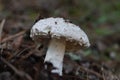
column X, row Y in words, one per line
column 22, row 59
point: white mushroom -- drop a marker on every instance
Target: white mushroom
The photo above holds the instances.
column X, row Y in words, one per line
column 60, row 36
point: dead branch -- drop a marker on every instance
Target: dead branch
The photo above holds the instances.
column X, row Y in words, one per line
column 11, row 37
column 19, row 73
column 1, row 28
column 91, row 71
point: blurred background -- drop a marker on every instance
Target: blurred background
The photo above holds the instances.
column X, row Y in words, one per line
column 100, row 19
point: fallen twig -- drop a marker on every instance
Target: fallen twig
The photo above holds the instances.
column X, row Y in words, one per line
column 1, row 28
column 19, row 73
column 11, row 37
column 27, row 55
column 91, row 71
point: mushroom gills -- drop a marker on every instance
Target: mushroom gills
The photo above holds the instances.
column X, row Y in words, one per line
column 55, row 54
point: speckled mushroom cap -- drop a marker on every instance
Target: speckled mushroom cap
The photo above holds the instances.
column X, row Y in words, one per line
column 59, row 28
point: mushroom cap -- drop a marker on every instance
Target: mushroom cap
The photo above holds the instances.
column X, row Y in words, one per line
column 59, row 28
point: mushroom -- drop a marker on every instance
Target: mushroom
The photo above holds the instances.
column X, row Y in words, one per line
column 60, row 36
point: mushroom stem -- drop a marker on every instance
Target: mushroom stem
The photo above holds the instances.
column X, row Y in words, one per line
column 55, row 54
